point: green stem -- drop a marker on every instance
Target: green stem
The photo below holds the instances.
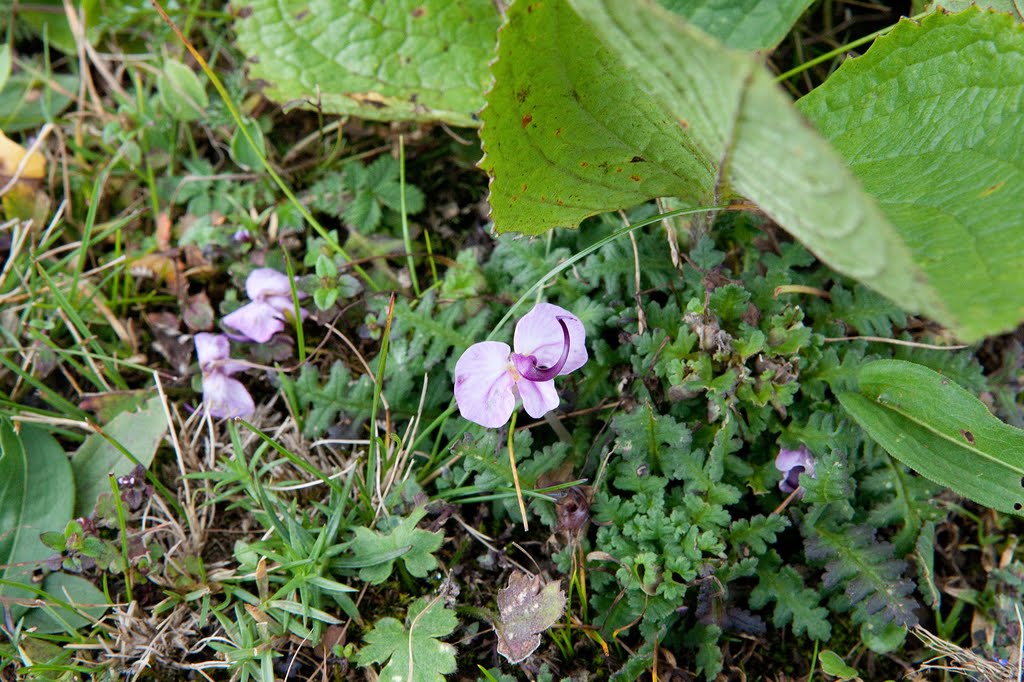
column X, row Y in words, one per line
column 405, row 218
column 841, row 49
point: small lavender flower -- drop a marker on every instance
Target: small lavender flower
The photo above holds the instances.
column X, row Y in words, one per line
column 489, row 376
column 792, row 463
column 222, row 395
column 271, row 304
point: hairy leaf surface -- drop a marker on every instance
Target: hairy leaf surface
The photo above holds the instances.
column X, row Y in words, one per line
column 929, row 122
column 600, row 105
column 404, row 60
column 743, row 24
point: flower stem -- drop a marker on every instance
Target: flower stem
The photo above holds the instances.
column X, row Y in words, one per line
column 515, row 472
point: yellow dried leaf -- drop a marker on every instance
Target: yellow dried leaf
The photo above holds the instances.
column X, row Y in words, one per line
column 11, row 155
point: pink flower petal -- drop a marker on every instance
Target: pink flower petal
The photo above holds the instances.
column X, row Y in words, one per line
column 483, row 384
column 257, row 320
column 539, row 397
column 211, row 347
column 264, row 282
column 539, row 334
column 226, row 397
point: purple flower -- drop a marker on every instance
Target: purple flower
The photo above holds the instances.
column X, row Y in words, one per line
column 134, row 488
column 548, row 341
column 223, row 396
column 792, row 463
column 264, row 316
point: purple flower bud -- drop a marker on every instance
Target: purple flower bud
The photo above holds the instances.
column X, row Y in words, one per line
column 134, row 488
column 792, row 463
column 489, row 377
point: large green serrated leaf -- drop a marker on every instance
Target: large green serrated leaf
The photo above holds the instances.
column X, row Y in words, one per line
column 1012, row 7
column 600, row 104
column 941, row 431
column 408, row 60
column 36, row 495
column 743, row 24
column 930, row 122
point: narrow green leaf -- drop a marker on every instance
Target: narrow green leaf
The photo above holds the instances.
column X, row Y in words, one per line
column 5, row 64
column 941, row 431
column 600, row 105
column 328, row 585
column 409, row 60
column 929, row 122
column 140, row 433
column 303, row 610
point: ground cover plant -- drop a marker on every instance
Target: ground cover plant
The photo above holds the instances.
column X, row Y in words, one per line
column 566, row 339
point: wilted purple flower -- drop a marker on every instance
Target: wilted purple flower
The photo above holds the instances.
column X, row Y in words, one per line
column 134, row 488
column 792, row 463
column 223, row 396
column 548, row 341
column 264, row 315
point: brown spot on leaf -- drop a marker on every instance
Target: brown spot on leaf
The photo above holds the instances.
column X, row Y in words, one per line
column 583, row 164
column 618, row 170
column 1018, row 506
column 990, row 190
column 302, row 15
column 558, row 132
column 637, row 159
column 418, row 12
column 968, row 436
column 634, row 178
column 244, row 12
column 373, row 99
column 522, row 94
column 527, row 120
column 684, row 124
column 524, row 187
